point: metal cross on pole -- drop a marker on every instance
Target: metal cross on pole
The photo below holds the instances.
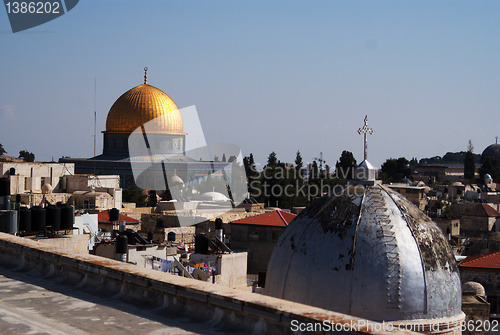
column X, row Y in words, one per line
column 365, row 130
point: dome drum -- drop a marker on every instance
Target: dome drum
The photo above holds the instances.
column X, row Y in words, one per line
column 118, row 144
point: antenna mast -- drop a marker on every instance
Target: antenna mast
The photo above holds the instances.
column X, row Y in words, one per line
column 95, row 118
column 320, row 160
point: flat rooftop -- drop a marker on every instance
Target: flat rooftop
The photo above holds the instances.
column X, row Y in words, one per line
column 37, row 306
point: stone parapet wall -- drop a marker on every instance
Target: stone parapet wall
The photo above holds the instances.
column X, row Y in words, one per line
column 236, row 311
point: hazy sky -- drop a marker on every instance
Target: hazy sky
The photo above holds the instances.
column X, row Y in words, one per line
column 266, row 75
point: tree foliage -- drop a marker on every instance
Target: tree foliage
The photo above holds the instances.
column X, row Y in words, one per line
column 2, row 150
column 152, row 198
column 469, row 166
column 27, row 156
column 298, row 161
column 136, row 195
column 449, row 158
column 272, row 160
column 393, row 170
column 491, row 166
column 253, row 177
column 346, row 166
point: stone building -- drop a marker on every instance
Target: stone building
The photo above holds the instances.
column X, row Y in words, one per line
column 57, row 182
column 479, row 220
column 258, row 235
column 30, row 177
column 485, row 270
column 105, row 224
column 430, row 173
column 415, row 194
column 476, row 309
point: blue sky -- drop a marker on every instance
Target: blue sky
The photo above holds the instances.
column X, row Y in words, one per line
column 266, row 75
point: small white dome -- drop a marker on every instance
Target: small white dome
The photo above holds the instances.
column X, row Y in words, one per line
column 214, row 196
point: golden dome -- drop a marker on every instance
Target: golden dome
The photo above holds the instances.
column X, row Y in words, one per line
column 141, row 104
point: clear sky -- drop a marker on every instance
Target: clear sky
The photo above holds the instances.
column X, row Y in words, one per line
column 266, row 75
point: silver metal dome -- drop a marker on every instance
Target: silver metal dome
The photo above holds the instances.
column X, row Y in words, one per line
column 369, row 253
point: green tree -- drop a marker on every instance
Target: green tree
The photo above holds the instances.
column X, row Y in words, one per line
column 27, row 156
column 393, row 170
column 272, row 160
column 2, row 150
column 152, row 199
column 345, row 166
column 253, row 177
column 491, row 166
column 469, row 165
column 136, row 195
column 298, row 161
column 413, row 163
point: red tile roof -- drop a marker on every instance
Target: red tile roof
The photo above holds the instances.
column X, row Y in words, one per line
column 487, row 261
column 482, row 210
column 278, row 218
column 103, row 217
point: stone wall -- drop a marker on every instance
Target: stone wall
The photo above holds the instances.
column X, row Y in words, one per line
column 242, row 312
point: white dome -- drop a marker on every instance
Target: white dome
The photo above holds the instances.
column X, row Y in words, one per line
column 214, row 196
column 368, row 253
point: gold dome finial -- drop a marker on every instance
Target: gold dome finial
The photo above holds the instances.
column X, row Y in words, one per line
column 146, row 75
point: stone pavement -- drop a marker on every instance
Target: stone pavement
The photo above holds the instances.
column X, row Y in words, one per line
column 36, row 306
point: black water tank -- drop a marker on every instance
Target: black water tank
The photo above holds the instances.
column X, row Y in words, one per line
column 9, row 225
column 201, row 244
column 4, row 187
column 262, row 279
column 54, row 217
column 160, row 223
column 2, row 222
column 218, row 224
column 38, row 218
column 121, row 244
column 67, row 216
column 24, row 219
column 171, row 237
column 114, row 214
column 130, row 236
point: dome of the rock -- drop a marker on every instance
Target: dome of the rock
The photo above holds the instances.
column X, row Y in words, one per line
column 140, row 105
